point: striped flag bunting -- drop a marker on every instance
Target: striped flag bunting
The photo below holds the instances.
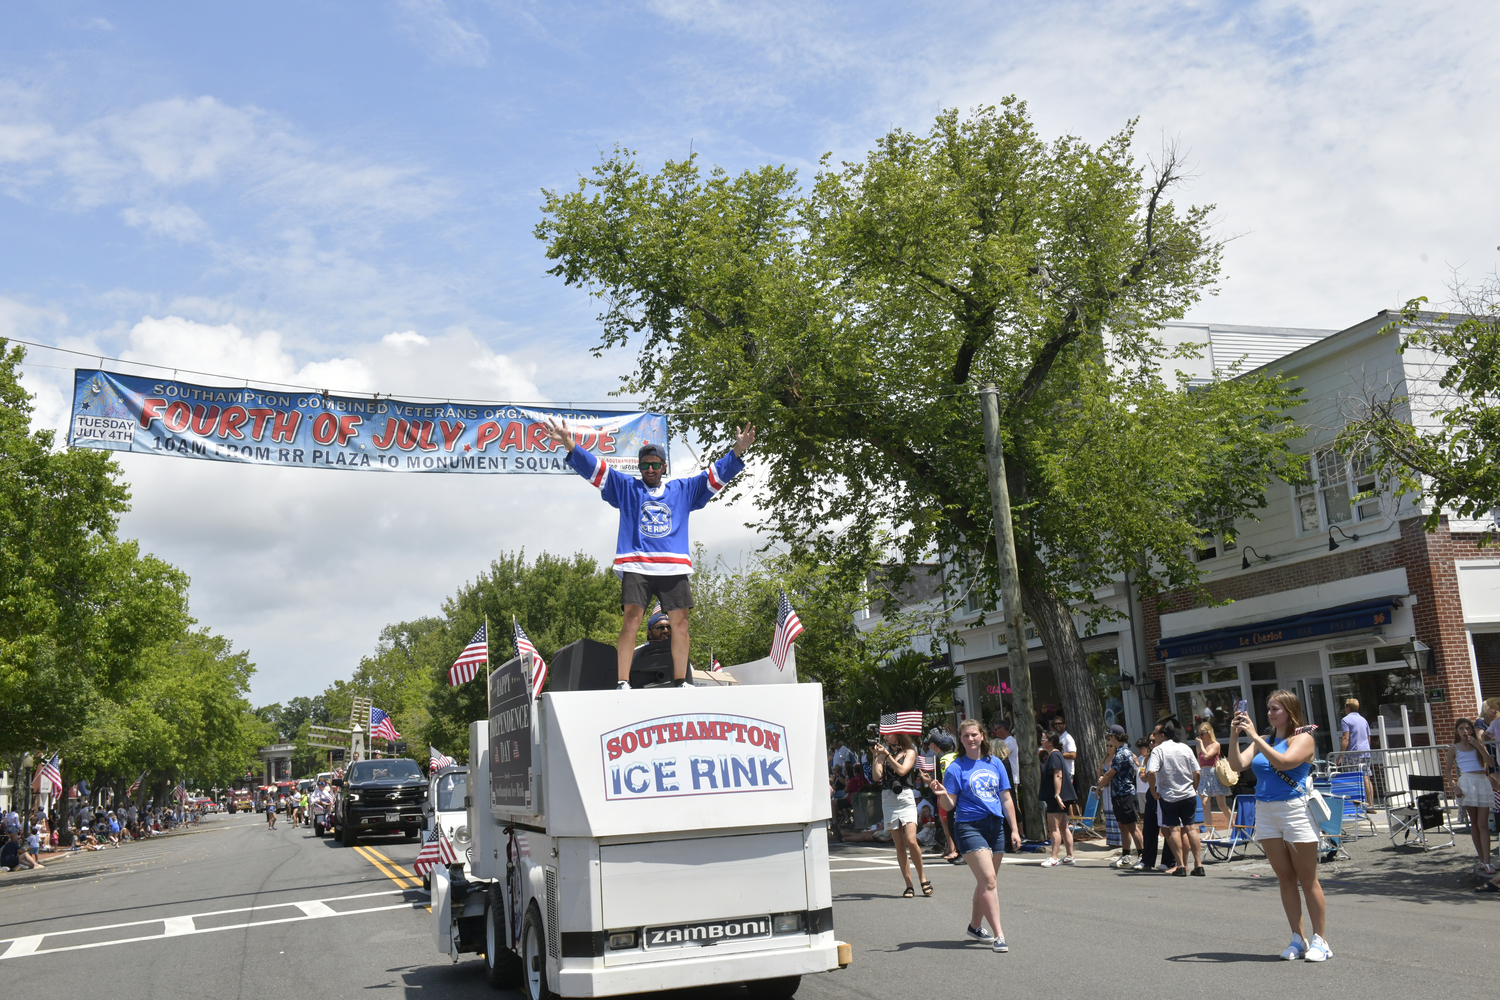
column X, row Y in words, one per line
column 440, row 760
column 788, row 627
column 901, row 722
column 436, row 850
column 49, row 776
column 524, row 646
column 381, row 725
column 926, row 764
column 475, row 655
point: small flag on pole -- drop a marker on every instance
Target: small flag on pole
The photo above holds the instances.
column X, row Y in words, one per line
column 179, row 793
column 901, row 722
column 474, row 656
column 788, row 627
column 539, row 665
column 436, row 850
column 440, row 760
column 926, row 764
column 135, row 785
column 381, row 725
column 717, row 666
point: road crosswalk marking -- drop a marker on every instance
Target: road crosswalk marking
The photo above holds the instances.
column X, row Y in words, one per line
column 184, row 925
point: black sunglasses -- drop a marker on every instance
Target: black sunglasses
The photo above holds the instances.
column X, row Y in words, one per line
column 653, row 465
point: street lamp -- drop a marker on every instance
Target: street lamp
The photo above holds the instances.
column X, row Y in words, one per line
column 1418, row 656
column 1126, row 682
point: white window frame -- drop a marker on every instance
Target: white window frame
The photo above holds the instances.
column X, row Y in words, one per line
column 1336, row 480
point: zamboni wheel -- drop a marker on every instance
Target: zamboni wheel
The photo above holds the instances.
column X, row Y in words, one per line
column 534, row 957
column 502, row 968
column 782, row 988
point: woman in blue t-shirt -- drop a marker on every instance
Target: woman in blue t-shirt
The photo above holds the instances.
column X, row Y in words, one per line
column 976, row 790
column 1282, row 826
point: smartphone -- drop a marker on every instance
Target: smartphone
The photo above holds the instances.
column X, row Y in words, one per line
column 1242, row 707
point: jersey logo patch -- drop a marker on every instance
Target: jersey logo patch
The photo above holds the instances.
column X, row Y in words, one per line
column 656, row 519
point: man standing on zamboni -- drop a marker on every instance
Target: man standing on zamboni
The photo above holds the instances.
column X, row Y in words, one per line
column 652, row 557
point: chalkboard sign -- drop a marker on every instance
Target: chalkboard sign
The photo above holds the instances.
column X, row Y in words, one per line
column 510, row 736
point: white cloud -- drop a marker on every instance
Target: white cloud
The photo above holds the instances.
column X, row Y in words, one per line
column 176, row 221
column 403, row 339
column 443, row 37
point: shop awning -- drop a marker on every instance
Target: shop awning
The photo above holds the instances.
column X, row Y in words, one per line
column 1327, row 621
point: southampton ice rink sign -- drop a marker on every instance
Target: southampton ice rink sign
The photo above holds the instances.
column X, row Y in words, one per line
column 305, row 430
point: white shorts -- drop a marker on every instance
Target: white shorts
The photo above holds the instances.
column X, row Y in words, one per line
column 1474, row 791
column 898, row 809
column 1286, row 820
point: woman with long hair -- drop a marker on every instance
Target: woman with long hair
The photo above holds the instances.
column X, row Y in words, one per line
column 1210, row 788
column 975, row 789
column 1283, row 827
column 893, row 772
column 1467, row 775
column 1056, row 792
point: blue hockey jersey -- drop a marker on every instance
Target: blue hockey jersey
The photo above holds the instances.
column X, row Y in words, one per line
column 654, row 523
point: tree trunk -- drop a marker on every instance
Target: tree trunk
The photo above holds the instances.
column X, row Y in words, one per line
column 1075, row 681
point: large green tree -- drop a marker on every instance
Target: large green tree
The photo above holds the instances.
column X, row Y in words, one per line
column 77, row 605
column 1437, row 435
column 854, row 320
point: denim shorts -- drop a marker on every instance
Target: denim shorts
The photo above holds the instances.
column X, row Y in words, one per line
column 986, row 834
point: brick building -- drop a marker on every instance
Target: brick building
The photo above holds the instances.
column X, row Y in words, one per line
column 1337, row 588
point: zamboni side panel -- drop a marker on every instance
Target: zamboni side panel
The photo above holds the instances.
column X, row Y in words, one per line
column 628, row 763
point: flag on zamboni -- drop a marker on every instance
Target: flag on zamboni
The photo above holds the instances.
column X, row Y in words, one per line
column 474, row 656
column 440, row 760
column 539, row 673
column 436, row 850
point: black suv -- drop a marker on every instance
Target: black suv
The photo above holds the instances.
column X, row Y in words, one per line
column 381, row 797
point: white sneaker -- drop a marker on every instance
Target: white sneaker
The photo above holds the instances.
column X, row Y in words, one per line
column 1051, row 863
column 1123, row 862
column 979, row 934
column 1068, row 860
column 1295, row 950
column 1318, row 951
column 623, row 686
column 1000, row 945
column 1139, row 866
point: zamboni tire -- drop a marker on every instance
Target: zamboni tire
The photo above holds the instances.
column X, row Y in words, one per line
column 534, row 957
column 502, row 967
column 782, row 988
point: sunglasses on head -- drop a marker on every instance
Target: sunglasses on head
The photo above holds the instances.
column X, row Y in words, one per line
column 653, row 465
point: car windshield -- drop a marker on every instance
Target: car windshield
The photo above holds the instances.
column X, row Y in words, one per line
column 384, row 770
column 451, row 789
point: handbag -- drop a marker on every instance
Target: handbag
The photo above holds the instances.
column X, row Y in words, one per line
column 1228, row 776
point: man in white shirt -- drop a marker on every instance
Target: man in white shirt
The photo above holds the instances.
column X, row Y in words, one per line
column 1066, row 745
column 1001, row 731
column 841, row 755
column 1172, row 772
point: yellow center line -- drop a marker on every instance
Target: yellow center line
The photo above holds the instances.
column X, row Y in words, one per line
column 401, row 882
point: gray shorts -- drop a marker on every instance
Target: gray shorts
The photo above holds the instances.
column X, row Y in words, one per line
column 672, row 591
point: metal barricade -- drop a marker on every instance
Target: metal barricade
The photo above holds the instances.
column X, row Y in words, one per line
column 1407, row 782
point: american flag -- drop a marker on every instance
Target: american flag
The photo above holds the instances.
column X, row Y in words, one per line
column 440, row 760
column 716, row 664
column 49, row 776
column 901, row 722
column 788, row 627
column 475, row 655
column 524, row 646
column 925, row 763
column 436, row 850
column 136, row 784
column 381, row 725
column 179, row 793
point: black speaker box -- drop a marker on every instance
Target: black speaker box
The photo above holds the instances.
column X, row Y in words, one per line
column 585, row 665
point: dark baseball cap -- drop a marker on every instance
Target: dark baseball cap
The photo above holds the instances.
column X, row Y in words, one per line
column 650, row 449
column 659, row 618
column 1118, row 732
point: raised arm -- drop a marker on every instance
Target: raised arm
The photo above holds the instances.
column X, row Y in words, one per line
column 744, row 437
column 558, row 433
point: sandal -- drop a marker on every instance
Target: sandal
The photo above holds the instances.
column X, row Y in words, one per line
column 1488, row 887
column 910, row 893
column 927, row 888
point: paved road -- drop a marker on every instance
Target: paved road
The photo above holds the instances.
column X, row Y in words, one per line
column 233, row 910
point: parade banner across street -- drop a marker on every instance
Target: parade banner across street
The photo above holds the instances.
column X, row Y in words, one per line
column 310, row 430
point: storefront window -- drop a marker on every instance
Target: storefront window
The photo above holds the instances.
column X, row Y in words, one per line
column 1207, row 695
column 1106, row 667
column 1382, row 684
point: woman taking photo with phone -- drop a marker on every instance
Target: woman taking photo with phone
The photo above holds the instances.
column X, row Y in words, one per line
column 1283, row 827
column 1468, row 781
column 892, row 771
column 975, row 789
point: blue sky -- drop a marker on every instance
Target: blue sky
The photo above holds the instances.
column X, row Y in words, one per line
column 344, row 193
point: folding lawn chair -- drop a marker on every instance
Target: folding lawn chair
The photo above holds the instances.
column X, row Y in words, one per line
column 1085, row 824
column 1350, row 786
column 1422, row 812
column 1241, row 831
column 1331, row 830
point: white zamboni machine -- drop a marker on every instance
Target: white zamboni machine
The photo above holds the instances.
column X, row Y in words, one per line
column 626, row 841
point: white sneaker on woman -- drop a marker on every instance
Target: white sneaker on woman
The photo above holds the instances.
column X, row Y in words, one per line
column 1296, row 949
column 1318, row 951
column 1051, row 863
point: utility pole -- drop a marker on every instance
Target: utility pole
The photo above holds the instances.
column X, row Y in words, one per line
column 1015, row 622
